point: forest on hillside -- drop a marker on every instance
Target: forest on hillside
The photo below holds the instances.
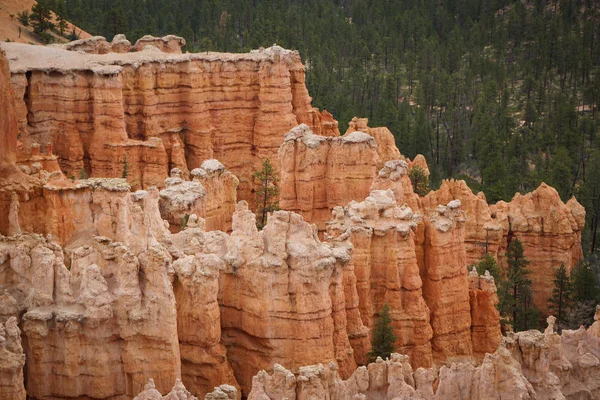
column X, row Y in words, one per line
column 501, row 93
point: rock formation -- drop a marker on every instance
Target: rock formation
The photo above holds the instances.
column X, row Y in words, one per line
column 498, row 377
column 442, row 260
column 385, row 270
column 482, row 231
column 173, row 282
column 485, row 330
column 527, row 365
column 155, row 110
column 211, row 195
column 550, row 232
column 386, row 144
column 319, row 173
column 276, row 281
column 168, row 44
column 12, row 361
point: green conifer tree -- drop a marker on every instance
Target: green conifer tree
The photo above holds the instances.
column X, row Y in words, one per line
column 516, row 300
column 266, row 192
column 125, row 168
column 560, row 301
column 489, row 263
column 40, row 17
column 419, row 180
column 383, row 338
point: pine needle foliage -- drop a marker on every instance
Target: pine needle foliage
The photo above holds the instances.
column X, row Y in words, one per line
column 383, row 338
column 266, row 192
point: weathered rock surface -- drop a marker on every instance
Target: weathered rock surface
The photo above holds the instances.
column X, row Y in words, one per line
column 485, row 327
column 526, row 365
column 319, row 173
column 203, row 358
column 386, row 144
column 498, row 377
column 279, row 296
column 394, row 176
column 442, row 260
column 482, row 232
column 221, row 187
column 8, row 123
column 550, row 232
column 385, row 270
column 167, row 44
column 12, row 361
column 560, row 366
column 160, row 110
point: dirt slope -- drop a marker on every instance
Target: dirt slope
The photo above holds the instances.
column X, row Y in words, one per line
column 9, row 24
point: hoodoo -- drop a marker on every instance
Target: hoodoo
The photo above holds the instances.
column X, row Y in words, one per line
column 131, row 265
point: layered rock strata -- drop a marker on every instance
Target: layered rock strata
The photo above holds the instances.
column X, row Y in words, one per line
column 12, row 361
column 386, row 144
column 442, row 261
column 154, row 110
column 278, row 280
column 319, row 173
column 527, row 365
column 385, row 271
column 415, row 265
column 485, row 330
column 550, row 232
column 498, row 377
column 483, row 233
column 211, row 195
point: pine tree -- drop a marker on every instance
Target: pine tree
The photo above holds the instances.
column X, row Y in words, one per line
column 383, row 338
column 489, row 263
column 585, row 284
column 560, row 301
column 516, row 300
column 266, row 192
column 40, row 17
column 125, row 168
column 419, row 180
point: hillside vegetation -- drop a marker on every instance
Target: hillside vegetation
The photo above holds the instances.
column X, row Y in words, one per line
column 501, row 93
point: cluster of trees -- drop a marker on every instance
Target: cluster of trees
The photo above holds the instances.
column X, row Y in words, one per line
column 502, row 93
column 40, row 19
column 574, row 296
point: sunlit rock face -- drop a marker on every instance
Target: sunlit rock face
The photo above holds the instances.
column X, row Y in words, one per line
column 155, row 109
column 550, row 232
column 112, row 288
column 319, row 173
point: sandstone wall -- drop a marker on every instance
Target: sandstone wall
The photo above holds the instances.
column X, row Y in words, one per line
column 550, row 232
column 210, row 195
column 160, row 110
column 12, row 361
column 526, row 365
column 8, row 123
column 442, row 261
column 319, row 173
column 482, row 231
column 385, row 271
column 275, row 296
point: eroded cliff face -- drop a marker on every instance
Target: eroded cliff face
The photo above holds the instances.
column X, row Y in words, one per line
column 550, row 232
column 281, row 289
column 526, row 365
column 8, row 124
column 211, row 195
column 385, row 271
column 126, row 286
column 483, row 233
column 155, row 110
column 12, row 361
column 319, row 173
